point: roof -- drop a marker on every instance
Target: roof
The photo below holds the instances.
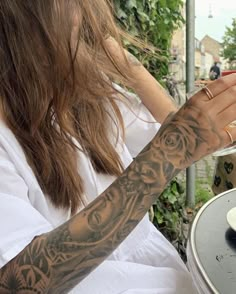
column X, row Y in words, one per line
column 210, row 38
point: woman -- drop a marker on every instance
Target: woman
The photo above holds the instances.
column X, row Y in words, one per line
column 68, row 134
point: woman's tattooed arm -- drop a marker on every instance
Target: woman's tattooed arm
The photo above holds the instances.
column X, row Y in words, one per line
column 55, row 262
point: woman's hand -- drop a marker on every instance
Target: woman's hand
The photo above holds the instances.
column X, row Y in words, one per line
column 198, row 128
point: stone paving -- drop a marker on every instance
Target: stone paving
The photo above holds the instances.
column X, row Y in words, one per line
column 205, row 169
column 204, row 173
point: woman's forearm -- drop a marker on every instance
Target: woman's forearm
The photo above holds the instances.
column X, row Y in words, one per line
column 152, row 94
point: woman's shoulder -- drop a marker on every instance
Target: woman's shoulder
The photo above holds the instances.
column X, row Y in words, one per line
column 12, row 156
column 8, row 141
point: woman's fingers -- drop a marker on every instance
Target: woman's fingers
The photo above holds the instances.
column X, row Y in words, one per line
column 223, row 107
column 222, row 84
column 224, row 102
column 218, row 101
column 224, row 121
column 216, row 88
column 226, row 114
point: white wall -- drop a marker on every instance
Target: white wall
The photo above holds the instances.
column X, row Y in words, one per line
column 209, row 61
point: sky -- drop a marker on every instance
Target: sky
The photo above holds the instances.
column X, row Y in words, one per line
column 222, row 10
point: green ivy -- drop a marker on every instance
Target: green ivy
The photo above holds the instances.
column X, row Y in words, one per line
column 152, row 21
column 169, row 215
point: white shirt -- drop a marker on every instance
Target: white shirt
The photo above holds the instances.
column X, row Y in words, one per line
column 144, row 263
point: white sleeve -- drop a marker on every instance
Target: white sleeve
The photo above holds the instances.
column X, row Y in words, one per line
column 140, row 125
column 19, row 221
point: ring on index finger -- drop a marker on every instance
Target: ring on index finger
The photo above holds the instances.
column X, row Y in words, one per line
column 208, row 93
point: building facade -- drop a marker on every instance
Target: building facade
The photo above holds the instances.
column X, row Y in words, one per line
column 207, row 51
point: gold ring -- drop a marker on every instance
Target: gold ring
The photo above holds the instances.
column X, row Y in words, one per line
column 208, row 93
column 226, row 129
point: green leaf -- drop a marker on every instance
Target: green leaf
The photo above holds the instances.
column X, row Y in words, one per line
column 154, row 22
column 130, row 4
column 229, row 42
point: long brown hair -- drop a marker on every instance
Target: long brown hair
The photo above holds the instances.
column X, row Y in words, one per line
column 54, row 86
